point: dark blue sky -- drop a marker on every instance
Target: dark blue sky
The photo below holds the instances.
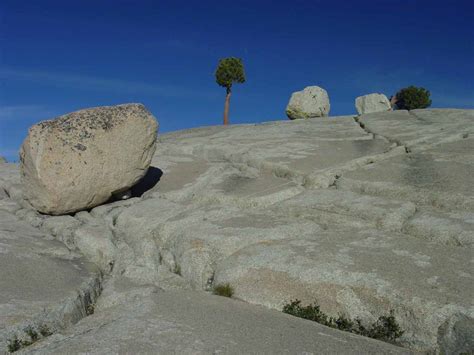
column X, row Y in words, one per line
column 60, row 56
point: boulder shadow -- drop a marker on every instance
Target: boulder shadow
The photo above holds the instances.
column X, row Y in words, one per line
column 151, row 178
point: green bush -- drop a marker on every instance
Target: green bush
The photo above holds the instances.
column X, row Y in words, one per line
column 411, row 98
column 33, row 334
column 15, row 344
column 385, row 328
column 224, row 290
column 311, row 312
column 230, row 70
column 44, row 330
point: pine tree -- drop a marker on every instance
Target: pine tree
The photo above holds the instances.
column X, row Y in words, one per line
column 229, row 70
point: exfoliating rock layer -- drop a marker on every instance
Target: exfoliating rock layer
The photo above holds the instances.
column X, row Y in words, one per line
column 361, row 215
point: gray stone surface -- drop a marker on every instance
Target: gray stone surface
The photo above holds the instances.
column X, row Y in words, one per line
column 421, row 129
column 42, row 282
column 97, row 244
column 372, row 103
column 311, row 102
column 80, row 160
column 360, row 214
column 148, row 320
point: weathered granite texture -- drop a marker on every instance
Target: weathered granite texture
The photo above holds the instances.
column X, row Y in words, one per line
column 79, row 160
column 147, row 320
column 311, row 102
column 42, row 283
column 361, row 214
column 372, row 103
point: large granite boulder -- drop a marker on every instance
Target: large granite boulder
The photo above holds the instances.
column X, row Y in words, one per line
column 313, row 101
column 372, row 103
column 79, row 160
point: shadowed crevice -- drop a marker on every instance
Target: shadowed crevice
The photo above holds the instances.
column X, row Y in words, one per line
column 151, row 178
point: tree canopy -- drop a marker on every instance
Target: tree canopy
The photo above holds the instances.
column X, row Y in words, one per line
column 412, row 97
column 230, row 70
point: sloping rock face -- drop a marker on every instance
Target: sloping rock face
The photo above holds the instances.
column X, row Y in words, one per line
column 311, row 102
column 43, row 285
column 362, row 215
column 372, row 103
column 77, row 161
column 151, row 321
column 50, row 300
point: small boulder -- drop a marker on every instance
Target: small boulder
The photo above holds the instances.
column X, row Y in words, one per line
column 313, row 101
column 372, row 103
column 79, row 160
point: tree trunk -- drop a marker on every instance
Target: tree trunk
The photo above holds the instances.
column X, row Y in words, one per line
column 226, row 107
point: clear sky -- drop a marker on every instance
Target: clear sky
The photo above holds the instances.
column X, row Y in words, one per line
column 61, row 56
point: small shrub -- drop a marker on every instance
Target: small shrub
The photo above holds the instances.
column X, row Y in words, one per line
column 177, row 269
column 224, row 290
column 14, row 344
column 311, row 312
column 385, row 328
column 44, row 330
column 25, row 343
column 90, row 309
column 412, row 97
column 32, row 333
column 343, row 323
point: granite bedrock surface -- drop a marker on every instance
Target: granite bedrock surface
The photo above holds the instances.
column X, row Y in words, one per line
column 360, row 214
